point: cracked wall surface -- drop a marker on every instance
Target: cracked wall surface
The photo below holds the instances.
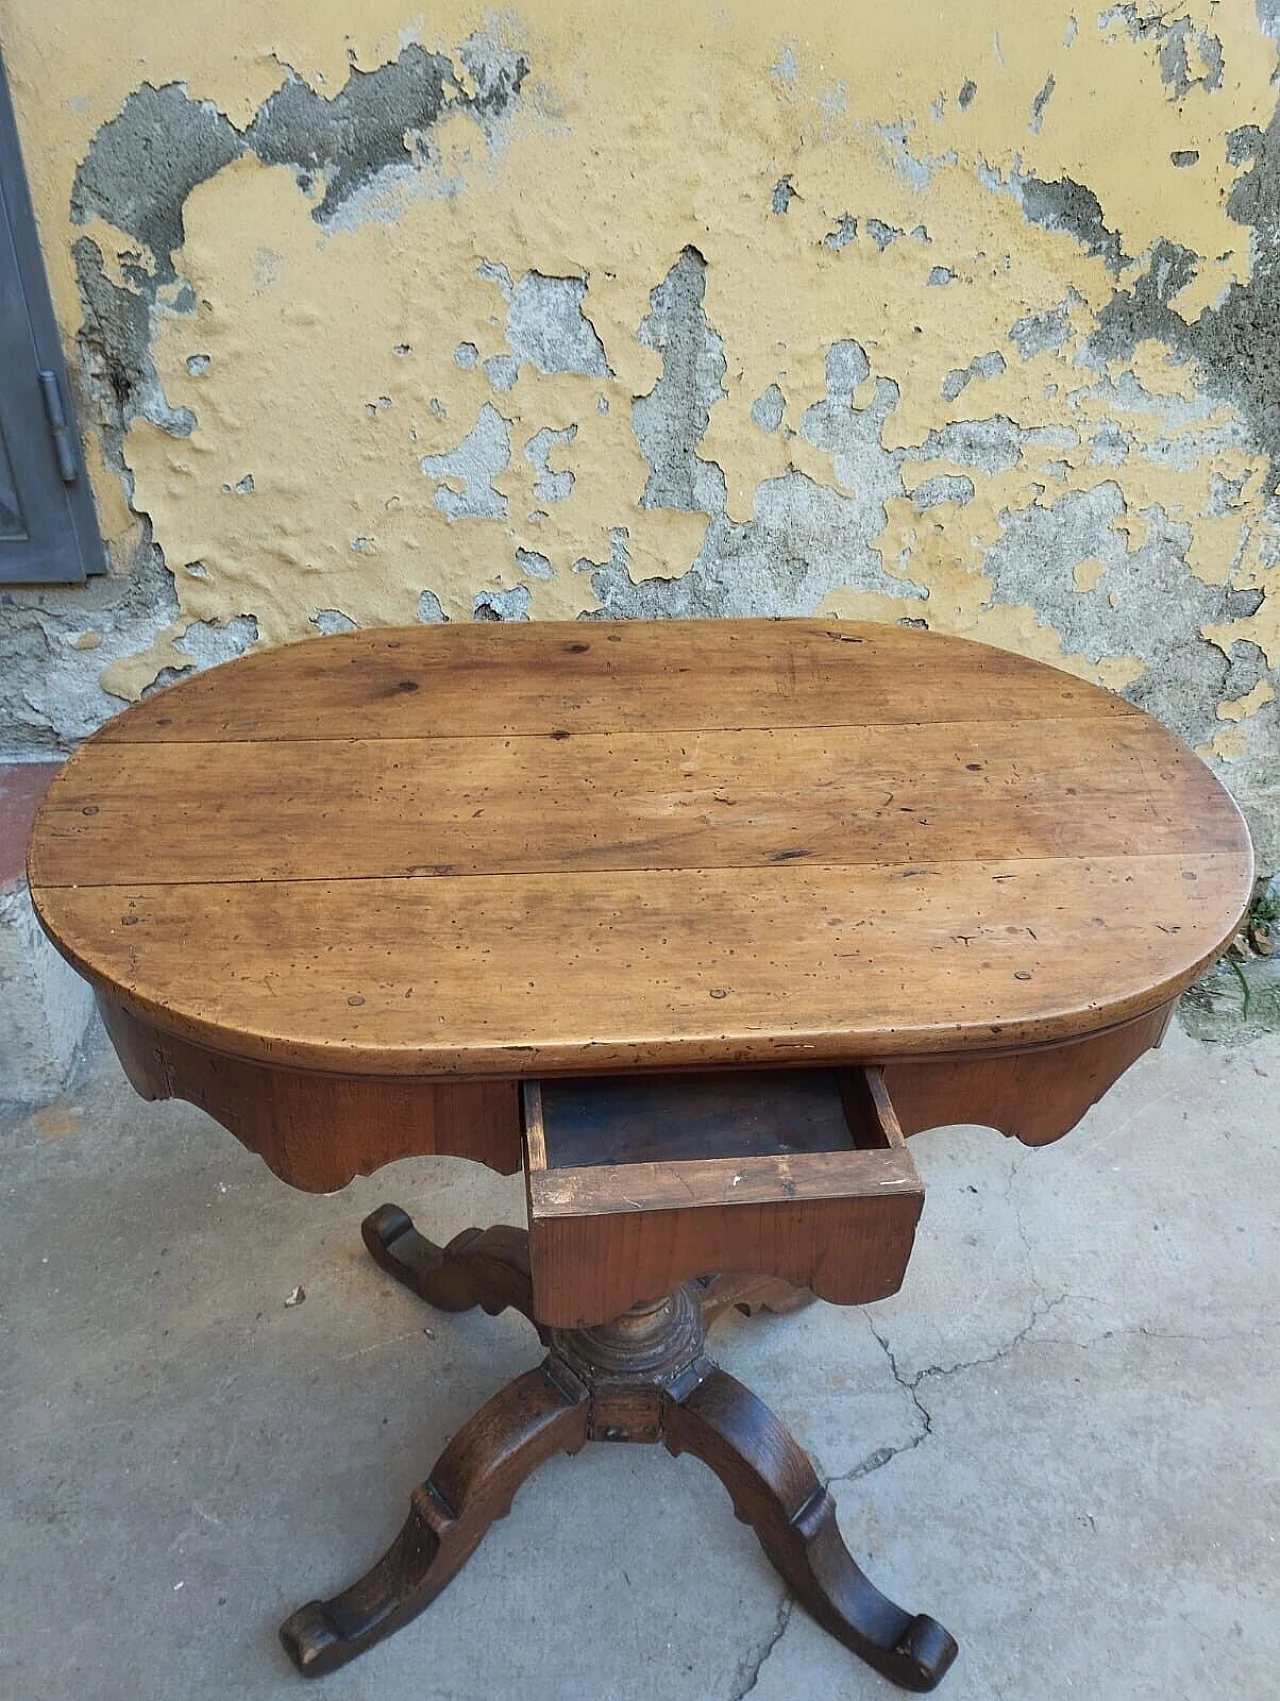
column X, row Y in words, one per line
column 968, row 320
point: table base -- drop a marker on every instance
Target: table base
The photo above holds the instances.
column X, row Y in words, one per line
column 642, row 1377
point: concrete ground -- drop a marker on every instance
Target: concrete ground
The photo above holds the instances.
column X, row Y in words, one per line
column 1061, row 1438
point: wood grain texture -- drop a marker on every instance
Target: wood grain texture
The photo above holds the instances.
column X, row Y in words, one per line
column 542, row 974
column 1036, row 1096
column 774, row 1489
column 626, row 801
column 485, row 1267
column 515, row 850
column 472, row 1484
column 493, row 680
column 318, row 1132
column 642, row 1377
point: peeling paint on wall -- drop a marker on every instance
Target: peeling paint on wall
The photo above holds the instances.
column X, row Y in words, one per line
column 969, row 320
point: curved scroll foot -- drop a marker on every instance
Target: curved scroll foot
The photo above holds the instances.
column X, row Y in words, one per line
column 487, row 1267
column 473, row 1483
column 774, row 1489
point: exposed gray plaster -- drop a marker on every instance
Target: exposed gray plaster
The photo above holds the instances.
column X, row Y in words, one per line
column 946, row 487
column 918, row 172
column 882, row 234
column 144, row 163
column 1183, row 447
column 1038, row 333
column 536, row 566
column 833, row 102
column 803, row 541
column 493, row 271
column 50, row 696
column 845, row 368
column 1129, row 611
column 853, row 437
column 482, row 454
column 618, row 556
column 1108, row 446
column 989, row 365
column 1173, row 38
column 991, row 446
column 497, row 71
column 346, row 139
column 1039, row 103
column 375, row 119
column 549, row 486
column 1235, row 342
column 209, row 643
column 783, row 194
column 1143, row 309
column 502, row 370
column 331, row 620
column 117, row 372
column 1069, row 206
column 768, row 408
column 501, row 605
column 546, row 326
column 672, row 419
column 869, row 476
column 137, row 174
column 1225, row 493
column 842, row 234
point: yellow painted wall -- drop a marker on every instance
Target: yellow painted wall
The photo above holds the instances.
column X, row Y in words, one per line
column 317, row 356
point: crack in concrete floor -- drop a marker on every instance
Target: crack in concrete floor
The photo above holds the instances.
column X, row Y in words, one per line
column 749, row 1674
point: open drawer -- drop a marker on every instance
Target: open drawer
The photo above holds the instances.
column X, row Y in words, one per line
column 640, row 1182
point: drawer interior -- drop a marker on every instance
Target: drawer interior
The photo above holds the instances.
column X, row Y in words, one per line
column 639, row 1183
column 624, row 1119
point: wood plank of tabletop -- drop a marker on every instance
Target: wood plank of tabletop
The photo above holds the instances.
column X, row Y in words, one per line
column 1082, row 786
column 536, row 974
column 586, row 676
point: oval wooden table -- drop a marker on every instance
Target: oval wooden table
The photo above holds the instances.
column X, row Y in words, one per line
column 694, row 920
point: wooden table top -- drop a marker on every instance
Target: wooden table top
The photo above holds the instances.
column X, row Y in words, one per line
column 515, row 850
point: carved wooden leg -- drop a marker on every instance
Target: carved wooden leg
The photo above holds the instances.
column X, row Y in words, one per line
column 642, row 1377
column 473, row 1483
column 488, row 1267
column 774, row 1489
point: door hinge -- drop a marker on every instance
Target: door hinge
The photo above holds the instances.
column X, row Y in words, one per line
column 59, row 427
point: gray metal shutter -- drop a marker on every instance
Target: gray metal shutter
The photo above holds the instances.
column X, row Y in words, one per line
column 48, row 531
